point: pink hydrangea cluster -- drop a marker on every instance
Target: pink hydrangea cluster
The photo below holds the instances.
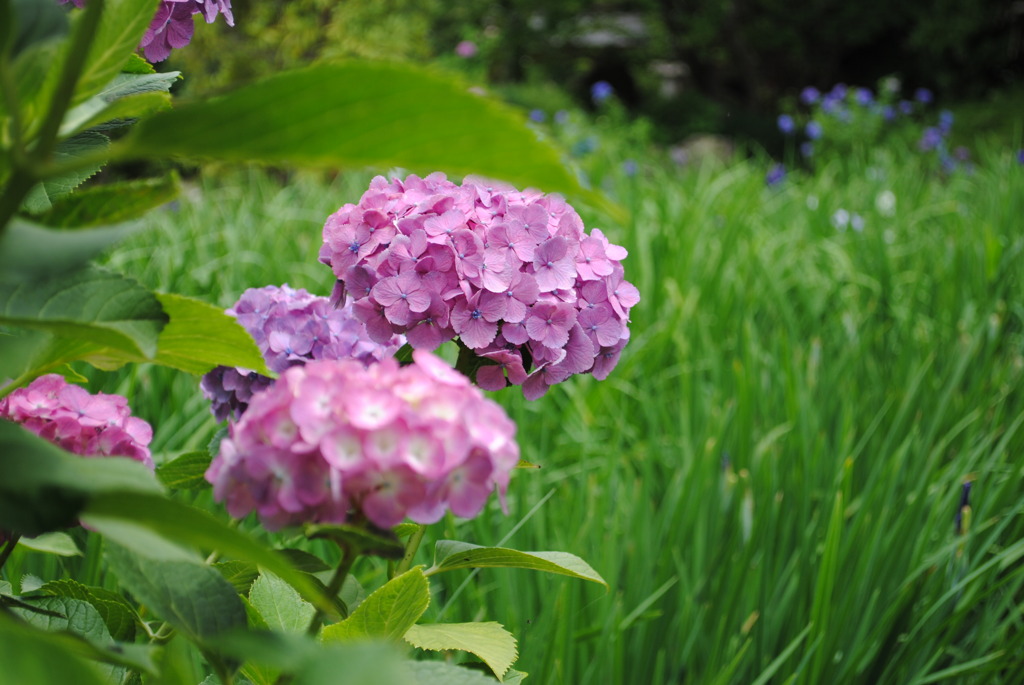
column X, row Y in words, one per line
column 291, row 327
column 172, row 27
column 68, row 416
column 333, row 438
column 513, row 274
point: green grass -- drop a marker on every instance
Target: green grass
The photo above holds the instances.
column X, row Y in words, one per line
column 769, row 479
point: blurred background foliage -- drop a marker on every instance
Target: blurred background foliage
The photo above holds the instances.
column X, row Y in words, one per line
column 687, row 65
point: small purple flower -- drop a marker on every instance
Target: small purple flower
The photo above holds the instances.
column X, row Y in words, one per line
column 561, row 117
column 945, row 121
column 786, row 124
column 466, row 49
column 807, row 149
column 857, row 222
column 930, row 139
column 775, row 175
column 1020, row 156
column 923, row 95
column 601, row 91
column 906, row 107
column 839, row 91
column 629, row 167
column 863, row 97
column 538, row 116
column 810, row 95
column 889, row 113
column 813, row 130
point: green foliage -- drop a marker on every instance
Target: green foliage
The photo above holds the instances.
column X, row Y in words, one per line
column 451, row 554
column 489, row 641
column 387, row 613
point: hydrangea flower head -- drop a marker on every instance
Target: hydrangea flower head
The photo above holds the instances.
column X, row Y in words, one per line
column 334, row 440
column 601, row 91
column 290, row 326
column 786, row 124
column 810, row 95
column 89, row 425
column 466, row 49
column 813, row 130
column 775, row 175
column 505, row 271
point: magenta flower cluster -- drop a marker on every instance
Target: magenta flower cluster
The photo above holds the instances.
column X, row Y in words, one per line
column 68, row 416
column 334, row 439
column 513, row 274
column 172, row 27
column 291, row 327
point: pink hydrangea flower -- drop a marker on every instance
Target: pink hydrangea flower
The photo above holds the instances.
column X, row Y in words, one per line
column 89, row 425
column 290, row 326
column 504, row 271
column 335, row 439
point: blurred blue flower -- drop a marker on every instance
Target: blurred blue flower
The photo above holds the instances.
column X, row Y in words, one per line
column 813, row 130
column 538, row 116
column 629, row 167
column 601, row 91
column 841, row 219
column 775, row 175
column 863, row 97
column 561, row 116
column 839, row 91
column 585, row 146
column 930, row 139
column 1020, row 156
column 961, row 154
column 830, row 104
column 786, row 124
column 806, row 149
column 889, row 113
column 857, row 222
column 947, row 163
column 923, row 95
column 810, row 95
column 945, row 121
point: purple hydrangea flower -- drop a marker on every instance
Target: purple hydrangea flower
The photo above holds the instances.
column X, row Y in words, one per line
column 538, row 116
column 292, row 327
column 89, row 425
column 508, row 272
column 906, row 107
column 335, row 438
column 1020, row 156
column 889, row 113
column 863, row 97
column 601, row 91
column 807, row 149
column 629, row 167
column 945, row 122
column 561, row 116
column 923, row 95
column 786, row 124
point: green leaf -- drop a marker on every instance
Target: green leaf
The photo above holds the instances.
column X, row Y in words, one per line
column 83, row 146
column 514, row 677
column 119, row 100
column 75, row 616
column 280, row 605
column 440, row 673
column 240, row 574
column 176, row 521
column 387, row 613
column 191, row 596
column 110, row 204
column 118, row 615
column 304, row 561
column 365, row 539
column 489, row 641
column 33, row 656
column 358, row 114
column 60, row 544
column 121, row 28
column 201, row 336
column 36, row 22
column 29, row 251
column 185, row 472
column 91, row 304
column 43, row 488
column 450, row 554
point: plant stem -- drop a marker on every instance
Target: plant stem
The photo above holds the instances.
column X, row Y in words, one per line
column 410, row 550
column 348, row 557
column 7, row 550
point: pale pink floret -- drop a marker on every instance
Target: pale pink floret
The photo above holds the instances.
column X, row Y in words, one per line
column 333, row 439
column 498, row 264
